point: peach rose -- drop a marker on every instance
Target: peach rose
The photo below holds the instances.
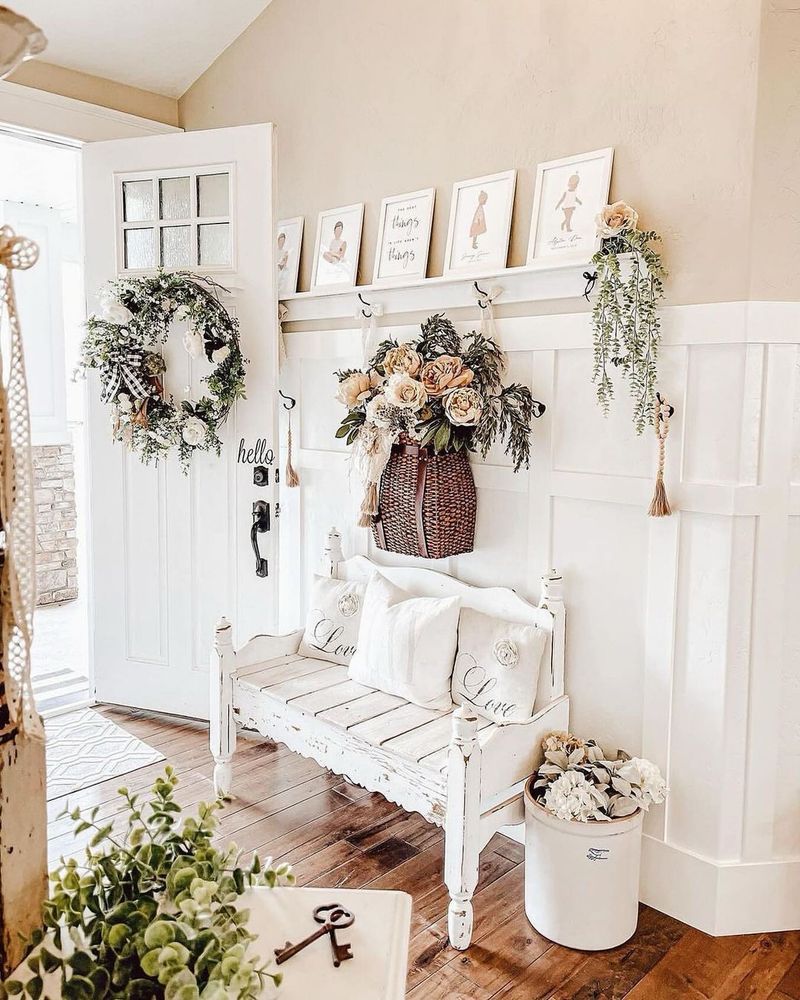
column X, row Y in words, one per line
column 357, row 388
column 444, row 373
column 404, row 391
column 463, row 407
column 403, row 359
column 615, row 219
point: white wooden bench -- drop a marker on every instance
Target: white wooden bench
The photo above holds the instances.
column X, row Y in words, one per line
column 456, row 769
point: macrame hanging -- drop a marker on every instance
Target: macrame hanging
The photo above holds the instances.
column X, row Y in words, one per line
column 659, row 506
column 18, row 574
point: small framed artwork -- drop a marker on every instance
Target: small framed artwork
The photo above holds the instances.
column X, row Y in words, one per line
column 337, row 247
column 480, row 223
column 569, row 194
column 289, row 240
column 404, row 237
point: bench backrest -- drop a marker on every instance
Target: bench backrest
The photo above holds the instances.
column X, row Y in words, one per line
column 499, row 602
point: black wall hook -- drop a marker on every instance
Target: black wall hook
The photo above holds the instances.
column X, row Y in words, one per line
column 292, row 402
column 363, row 301
column 590, row 277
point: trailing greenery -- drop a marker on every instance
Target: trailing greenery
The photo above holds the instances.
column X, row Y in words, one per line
column 441, row 390
column 124, row 342
column 151, row 913
column 625, row 319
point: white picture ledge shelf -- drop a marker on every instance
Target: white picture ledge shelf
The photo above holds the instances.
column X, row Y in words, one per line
column 531, row 283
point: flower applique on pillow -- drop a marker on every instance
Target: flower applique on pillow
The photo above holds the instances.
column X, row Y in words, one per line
column 497, row 666
column 333, row 620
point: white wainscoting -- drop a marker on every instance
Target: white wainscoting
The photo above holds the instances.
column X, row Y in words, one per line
column 683, row 635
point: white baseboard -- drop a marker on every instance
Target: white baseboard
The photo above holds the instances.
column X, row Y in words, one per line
column 715, row 897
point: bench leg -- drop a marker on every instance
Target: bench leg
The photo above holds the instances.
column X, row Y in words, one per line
column 461, row 849
column 222, row 724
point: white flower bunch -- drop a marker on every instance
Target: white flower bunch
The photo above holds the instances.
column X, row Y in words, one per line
column 578, row 781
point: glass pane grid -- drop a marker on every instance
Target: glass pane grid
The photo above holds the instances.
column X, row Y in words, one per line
column 213, row 196
column 174, row 198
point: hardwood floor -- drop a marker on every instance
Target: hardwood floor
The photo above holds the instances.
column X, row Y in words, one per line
column 335, row 834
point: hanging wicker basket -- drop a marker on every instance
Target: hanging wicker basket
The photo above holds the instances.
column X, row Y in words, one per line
column 427, row 503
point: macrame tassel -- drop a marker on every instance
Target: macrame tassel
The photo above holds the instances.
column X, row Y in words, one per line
column 659, row 506
column 369, row 505
column 292, row 479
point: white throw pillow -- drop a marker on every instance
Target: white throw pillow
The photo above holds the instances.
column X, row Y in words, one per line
column 406, row 644
column 333, row 619
column 497, row 666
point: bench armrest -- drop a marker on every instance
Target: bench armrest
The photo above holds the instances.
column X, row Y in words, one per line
column 261, row 648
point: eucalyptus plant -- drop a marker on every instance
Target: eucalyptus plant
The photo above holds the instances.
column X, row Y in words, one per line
column 625, row 318
column 151, row 913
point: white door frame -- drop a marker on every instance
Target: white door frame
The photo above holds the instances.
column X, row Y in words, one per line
column 26, row 111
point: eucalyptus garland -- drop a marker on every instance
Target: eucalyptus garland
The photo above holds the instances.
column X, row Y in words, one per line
column 124, row 343
column 625, row 319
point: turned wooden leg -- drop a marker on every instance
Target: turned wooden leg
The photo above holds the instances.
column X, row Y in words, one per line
column 222, row 725
column 461, row 849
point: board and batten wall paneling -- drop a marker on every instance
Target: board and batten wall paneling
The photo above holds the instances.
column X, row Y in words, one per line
column 682, row 642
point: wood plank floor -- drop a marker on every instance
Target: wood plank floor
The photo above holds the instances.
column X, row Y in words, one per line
column 335, row 834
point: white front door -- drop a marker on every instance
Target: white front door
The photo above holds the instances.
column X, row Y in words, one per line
column 171, row 553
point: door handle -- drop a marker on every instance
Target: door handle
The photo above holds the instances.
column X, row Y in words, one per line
column 260, row 524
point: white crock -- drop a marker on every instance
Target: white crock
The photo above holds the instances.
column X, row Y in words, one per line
column 582, row 879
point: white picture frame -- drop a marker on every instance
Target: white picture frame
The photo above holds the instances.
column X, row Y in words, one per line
column 404, row 238
column 480, row 224
column 288, row 245
column 335, row 268
column 563, row 224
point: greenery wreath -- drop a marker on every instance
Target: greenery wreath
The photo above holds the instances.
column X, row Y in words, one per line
column 123, row 343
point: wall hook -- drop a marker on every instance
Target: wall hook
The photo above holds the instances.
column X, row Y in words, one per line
column 479, row 290
column 292, row 402
column 363, row 301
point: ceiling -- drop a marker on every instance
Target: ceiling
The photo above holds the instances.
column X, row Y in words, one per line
column 158, row 45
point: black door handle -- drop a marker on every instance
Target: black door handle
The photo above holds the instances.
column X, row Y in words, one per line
column 260, row 524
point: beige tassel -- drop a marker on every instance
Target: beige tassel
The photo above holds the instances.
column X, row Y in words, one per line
column 292, row 479
column 659, row 506
column 369, row 506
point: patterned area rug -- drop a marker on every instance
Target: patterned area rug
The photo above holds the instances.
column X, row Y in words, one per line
column 83, row 749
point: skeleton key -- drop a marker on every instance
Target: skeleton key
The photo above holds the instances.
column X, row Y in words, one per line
column 337, row 917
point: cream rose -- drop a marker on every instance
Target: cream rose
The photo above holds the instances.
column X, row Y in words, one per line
column 616, row 219
column 193, row 431
column 403, row 359
column 218, row 356
column 357, row 388
column 404, row 391
column 113, row 311
column 444, row 373
column 463, row 407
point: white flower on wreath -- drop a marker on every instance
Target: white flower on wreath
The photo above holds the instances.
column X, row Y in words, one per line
column 220, row 354
column 571, row 797
column 193, row 343
column 124, row 402
column 193, row 431
column 112, row 310
column 181, row 313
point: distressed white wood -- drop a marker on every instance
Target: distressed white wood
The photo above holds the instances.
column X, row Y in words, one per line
column 427, row 761
column 222, row 729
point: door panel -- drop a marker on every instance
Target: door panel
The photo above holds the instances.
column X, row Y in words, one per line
column 170, row 553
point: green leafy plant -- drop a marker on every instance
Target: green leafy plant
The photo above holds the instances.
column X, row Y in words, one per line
column 151, row 913
column 625, row 319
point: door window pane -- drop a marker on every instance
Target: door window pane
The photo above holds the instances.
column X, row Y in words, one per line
column 215, row 245
column 175, row 246
column 174, row 198
column 212, row 195
column 137, row 199
column 140, row 249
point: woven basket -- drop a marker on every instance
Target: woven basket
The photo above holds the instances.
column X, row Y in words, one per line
column 427, row 503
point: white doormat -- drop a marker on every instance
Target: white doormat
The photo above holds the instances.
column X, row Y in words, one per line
column 84, row 748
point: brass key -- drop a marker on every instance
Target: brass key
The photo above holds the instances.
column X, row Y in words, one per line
column 337, row 916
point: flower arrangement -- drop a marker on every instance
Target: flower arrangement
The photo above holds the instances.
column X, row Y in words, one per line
column 150, row 913
column 625, row 320
column 578, row 781
column 123, row 342
column 439, row 390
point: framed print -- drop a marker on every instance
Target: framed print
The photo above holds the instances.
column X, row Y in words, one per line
column 480, row 223
column 289, row 240
column 404, row 237
column 337, row 246
column 568, row 196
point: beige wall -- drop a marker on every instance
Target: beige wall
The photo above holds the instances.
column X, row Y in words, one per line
column 373, row 99
column 96, row 90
